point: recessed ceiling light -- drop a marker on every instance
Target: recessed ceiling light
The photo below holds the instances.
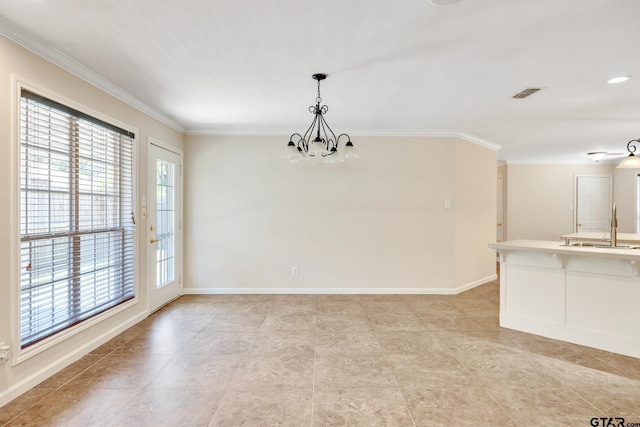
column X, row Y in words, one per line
column 444, row 2
column 618, row 79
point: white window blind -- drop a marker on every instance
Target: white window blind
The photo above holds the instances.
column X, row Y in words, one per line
column 77, row 227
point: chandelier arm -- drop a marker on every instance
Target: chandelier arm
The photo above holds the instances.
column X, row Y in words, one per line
column 309, row 131
column 340, row 136
column 632, row 145
column 300, row 140
column 329, row 141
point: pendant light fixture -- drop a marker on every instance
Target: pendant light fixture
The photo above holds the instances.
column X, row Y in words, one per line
column 631, row 161
column 319, row 141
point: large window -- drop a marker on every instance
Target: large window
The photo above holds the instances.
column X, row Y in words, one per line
column 76, row 217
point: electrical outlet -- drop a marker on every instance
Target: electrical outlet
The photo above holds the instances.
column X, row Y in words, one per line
column 294, row 271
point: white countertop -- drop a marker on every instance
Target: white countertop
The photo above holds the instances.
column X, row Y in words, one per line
column 598, row 236
column 559, row 248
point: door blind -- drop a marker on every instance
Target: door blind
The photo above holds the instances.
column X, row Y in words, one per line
column 76, row 217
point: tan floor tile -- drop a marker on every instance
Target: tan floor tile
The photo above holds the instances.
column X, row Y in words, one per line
column 157, row 342
column 360, row 407
column 293, row 320
column 275, row 370
column 410, row 342
column 198, row 371
column 545, row 407
column 612, row 400
column 295, row 300
column 453, row 399
column 204, row 298
column 463, row 416
column 337, row 298
column 340, row 308
column 181, row 322
column 393, row 306
column 76, row 407
column 220, row 342
column 449, row 322
column 203, row 307
column 429, row 307
column 477, row 306
column 235, row 322
column 342, row 322
column 577, row 377
column 70, row 372
column 21, row 404
column 348, row 359
column 417, row 369
column 346, row 342
column 468, row 344
column 255, row 406
column 506, row 371
column 121, row 372
column 349, row 370
column 123, row 338
column 283, row 341
column 247, row 307
column 181, row 407
column 396, row 321
column 254, row 298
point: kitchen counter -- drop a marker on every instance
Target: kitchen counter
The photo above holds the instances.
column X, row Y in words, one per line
column 582, row 294
column 600, row 237
column 560, row 248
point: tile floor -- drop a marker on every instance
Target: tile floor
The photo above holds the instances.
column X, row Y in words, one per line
column 333, row 360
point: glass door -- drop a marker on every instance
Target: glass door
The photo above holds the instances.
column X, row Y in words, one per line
column 164, row 224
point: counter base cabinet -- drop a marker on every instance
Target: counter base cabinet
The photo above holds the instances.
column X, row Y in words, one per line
column 584, row 300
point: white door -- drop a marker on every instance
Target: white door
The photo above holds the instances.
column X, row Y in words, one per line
column 164, row 225
column 593, row 203
column 500, row 210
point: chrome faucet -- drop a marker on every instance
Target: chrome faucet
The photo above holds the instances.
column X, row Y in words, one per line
column 613, row 236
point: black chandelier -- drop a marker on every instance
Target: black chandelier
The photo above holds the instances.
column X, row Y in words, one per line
column 631, row 161
column 324, row 143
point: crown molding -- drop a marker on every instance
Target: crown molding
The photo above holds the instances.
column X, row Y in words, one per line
column 434, row 133
column 32, row 43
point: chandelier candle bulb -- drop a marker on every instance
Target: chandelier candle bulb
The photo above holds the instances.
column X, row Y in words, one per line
column 319, row 140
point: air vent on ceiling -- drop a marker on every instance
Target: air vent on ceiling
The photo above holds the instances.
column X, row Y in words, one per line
column 528, row 91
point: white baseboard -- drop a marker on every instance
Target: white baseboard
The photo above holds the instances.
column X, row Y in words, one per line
column 473, row 284
column 339, row 291
column 55, row 366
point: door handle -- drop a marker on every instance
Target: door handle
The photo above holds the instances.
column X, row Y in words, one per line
column 152, row 241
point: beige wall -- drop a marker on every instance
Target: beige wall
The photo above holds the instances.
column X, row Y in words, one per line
column 503, row 170
column 378, row 223
column 625, row 197
column 475, row 212
column 539, row 198
column 15, row 60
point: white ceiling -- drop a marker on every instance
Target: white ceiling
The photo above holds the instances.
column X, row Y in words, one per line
column 401, row 67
